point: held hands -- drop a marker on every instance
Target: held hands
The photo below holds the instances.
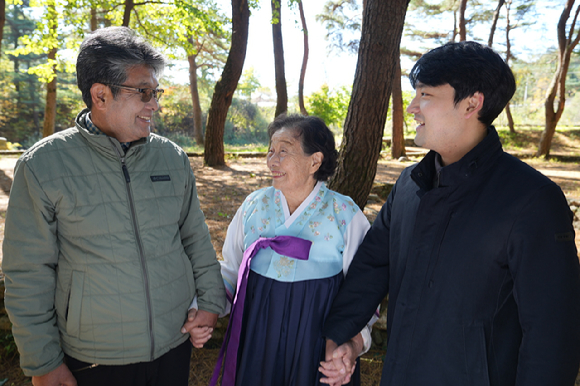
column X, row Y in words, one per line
column 199, row 325
column 340, row 361
column 61, row 376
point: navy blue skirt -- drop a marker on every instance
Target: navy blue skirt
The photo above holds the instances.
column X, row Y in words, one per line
column 281, row 343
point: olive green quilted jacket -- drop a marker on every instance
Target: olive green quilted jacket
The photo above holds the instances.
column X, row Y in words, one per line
column 104, row 252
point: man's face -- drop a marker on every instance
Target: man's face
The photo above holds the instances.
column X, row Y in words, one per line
column 126, row 117
column 440, row 121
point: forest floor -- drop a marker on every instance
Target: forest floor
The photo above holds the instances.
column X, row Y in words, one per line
column 221, row 191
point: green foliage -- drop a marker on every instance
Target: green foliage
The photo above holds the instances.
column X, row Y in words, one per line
column 249, row 83
column 44, row 38
column 8, row 349
column 514, row 141
column 342, row 20
column 329, row 105
column 245, row 124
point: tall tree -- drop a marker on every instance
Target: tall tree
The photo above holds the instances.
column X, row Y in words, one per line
column 508, row 56
column 197, row 28
column 496, row 14
column 129, row 6
column 382, row 28
column 20, row 103
column 50, row 106
column 304, row 60
column 226, row 86
column 342, row 21
column 194, row 91
column 397, row 120
column 462, row 21
column 2, row 21
column 281, row 89
column 568, row 38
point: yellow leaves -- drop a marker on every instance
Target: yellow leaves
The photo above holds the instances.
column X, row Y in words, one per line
column 45, row 71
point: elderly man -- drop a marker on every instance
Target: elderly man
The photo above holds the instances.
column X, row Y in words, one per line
column 105, row 243
column 474, row 247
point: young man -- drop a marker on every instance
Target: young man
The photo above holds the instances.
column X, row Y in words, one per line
column 105, row 243
column 474, row 248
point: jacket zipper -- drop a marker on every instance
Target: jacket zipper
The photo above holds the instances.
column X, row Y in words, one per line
column 139, row 245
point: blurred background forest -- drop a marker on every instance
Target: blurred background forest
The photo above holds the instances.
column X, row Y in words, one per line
column 41, row 37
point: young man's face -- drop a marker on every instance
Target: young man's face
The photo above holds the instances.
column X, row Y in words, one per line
column 441, row 123
column 127, row 117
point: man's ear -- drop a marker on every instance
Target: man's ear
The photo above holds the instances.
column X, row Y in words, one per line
column 99, row 94
column 474, row 104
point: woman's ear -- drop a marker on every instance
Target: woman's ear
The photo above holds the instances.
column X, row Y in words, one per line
column 317, row 159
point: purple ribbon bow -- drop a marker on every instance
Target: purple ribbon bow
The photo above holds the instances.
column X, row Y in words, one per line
column 290, row 246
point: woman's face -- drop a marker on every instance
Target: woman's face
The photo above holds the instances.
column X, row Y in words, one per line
column 292, row 170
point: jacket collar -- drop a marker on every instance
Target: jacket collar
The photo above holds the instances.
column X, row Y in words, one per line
column 103, row 143
column 475, row 162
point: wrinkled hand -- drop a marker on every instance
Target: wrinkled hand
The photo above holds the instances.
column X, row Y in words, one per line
column 61, row 376
column 200, row 326
column 340, row 361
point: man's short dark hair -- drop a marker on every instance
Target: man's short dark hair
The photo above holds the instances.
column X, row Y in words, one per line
column 107, row 54
column 314, row 135
column 468, row 67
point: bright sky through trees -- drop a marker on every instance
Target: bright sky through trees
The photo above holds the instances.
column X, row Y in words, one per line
column 338, row 69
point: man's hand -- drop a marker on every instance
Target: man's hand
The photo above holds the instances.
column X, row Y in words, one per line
column 199, row 325
column 61, row 376
column 340, row 361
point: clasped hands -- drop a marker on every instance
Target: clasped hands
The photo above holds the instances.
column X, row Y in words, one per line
column 200, row 326
column 340, row 361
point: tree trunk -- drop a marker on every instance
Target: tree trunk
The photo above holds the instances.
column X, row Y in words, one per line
column 281, row 91
column 226, row 86
column 500, row 4
column 50, row 107
column 94, row 24
column 508, row 56
column 510, row 119
column 462, row 22
column 398, row 129
column 382, row 27
column 34, row 104
column 557, row 88
column 193, row 90
column 129, row 5
column 304, row 60
column 2, row 21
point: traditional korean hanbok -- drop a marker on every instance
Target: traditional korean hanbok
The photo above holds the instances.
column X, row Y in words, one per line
column 287, row 298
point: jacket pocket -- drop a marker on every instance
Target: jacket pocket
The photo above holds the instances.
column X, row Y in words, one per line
column 73, row 317
column 475, row 356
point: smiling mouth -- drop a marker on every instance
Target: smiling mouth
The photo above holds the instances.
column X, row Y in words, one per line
column 278, row 174
column 148, row 119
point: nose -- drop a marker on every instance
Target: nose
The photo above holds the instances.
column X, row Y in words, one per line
column 273, row 158
column 413, row 107
column 153, row 104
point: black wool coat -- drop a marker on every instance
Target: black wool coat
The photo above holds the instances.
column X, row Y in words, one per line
column 482, row 275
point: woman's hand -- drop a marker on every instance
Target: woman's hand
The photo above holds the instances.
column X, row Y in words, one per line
column 340, row 361
column 200, row 326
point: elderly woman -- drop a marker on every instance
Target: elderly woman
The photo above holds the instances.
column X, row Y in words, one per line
column 286, row 252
